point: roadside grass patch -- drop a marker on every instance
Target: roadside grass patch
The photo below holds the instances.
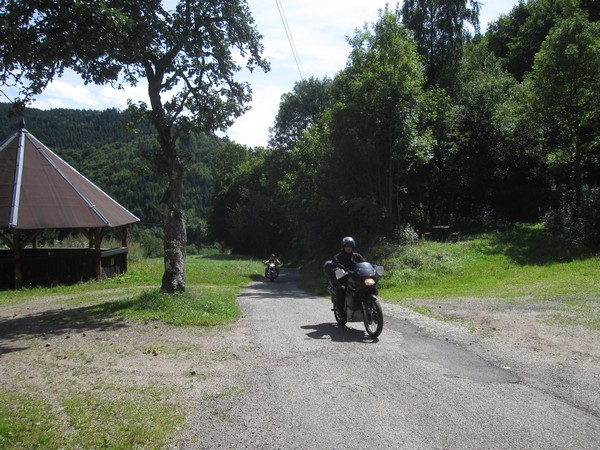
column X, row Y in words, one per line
column 199, row 307
column 521, row 263
column 107, row 416
column 100, row 422
column 507, row 264
column 27, row 421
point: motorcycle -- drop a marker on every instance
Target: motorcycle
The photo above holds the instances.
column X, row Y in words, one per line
column 272, row 271
column 361, row 303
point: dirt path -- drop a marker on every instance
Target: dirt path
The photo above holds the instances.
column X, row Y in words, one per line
column 273, row 379
column 425, row 384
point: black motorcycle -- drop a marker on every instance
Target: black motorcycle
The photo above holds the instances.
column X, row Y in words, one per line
column 272, row 271
column 361, row 301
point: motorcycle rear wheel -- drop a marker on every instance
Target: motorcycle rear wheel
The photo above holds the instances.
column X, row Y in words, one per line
column 373, row 319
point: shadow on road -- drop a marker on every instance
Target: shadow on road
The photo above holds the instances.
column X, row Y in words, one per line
column 338, row 333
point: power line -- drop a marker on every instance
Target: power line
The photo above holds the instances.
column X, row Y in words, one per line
column 289, row 37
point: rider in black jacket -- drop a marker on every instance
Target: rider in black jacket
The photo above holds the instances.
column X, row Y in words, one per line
column 346, row 259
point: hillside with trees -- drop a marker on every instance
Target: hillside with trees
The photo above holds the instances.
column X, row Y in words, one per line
column 104, row 147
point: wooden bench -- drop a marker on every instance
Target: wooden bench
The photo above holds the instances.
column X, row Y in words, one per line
column 442, row 233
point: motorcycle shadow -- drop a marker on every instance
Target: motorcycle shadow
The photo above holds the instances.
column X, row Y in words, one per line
column 338, row 333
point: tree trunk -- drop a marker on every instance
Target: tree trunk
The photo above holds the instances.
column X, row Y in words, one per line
column 175, row 236
column 577, row 182
column 175, row 240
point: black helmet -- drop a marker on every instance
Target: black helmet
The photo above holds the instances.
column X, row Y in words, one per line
column 273, row 255
column 348, row 241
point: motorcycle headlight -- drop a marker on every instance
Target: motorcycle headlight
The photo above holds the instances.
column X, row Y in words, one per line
column 369, row 281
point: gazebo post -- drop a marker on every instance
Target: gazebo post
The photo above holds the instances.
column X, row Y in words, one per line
column 17, row 258
column 98, row 233
column 124, row 235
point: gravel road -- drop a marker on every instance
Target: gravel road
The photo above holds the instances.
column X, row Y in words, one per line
column 299, row 381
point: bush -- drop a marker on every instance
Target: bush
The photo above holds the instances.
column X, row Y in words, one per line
column 577, row 228
column 192, row 249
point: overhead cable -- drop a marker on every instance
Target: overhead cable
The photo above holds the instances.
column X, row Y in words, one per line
column 288, row 32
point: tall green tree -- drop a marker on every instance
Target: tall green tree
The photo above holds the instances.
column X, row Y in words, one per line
column 298, row 111
column 440, row 29
column 186, row 56
column 517, row 37
column 376, row 143
column 565, row 84
column 484, row 174
column 248, row 213
column 306, row 192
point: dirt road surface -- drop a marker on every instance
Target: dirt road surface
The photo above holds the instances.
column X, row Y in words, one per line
column 299, row 381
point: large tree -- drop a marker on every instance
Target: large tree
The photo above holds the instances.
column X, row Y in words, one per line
column 565, row 84
column 439, row 29
column 374, row 133
column 298, row 111
column 186, row 56
column 518, row 36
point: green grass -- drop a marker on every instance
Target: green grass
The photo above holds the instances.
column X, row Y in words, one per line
column 522, row 264
column 28, row 422
column 93, row 421
column 204, row 307
column 124, row 416
column 518, row 263
column 213, row 281
column 120, row 422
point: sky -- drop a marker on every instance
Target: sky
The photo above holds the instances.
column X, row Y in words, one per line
column 318, row 29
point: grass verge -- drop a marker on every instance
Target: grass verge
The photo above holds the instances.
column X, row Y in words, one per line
column 520, row 264
column 28, row 421
column 39, row 411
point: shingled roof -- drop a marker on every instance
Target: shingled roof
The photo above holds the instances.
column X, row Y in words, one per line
column 38, row 190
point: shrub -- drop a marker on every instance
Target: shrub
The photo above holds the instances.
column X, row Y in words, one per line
column 577, row 228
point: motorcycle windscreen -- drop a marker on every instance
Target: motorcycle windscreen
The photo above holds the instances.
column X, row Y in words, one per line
column 364, row 269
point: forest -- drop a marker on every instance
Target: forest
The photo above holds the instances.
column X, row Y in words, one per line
column 429, row 123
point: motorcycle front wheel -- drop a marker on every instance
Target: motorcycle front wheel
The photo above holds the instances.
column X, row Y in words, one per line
column 340, row 318
column 373, row 317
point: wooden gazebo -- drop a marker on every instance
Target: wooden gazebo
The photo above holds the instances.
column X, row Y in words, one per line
column 40, row 191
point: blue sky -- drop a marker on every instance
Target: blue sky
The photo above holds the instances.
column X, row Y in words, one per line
column 319, row 29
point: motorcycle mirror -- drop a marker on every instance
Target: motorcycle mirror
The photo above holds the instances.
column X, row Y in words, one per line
column 339, row 273
column 378, row 270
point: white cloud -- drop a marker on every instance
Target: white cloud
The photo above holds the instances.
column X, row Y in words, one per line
column 61, row 94
column 112, row 97
column 252, row 128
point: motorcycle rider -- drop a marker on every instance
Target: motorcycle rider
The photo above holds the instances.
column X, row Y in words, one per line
column 346, row 259
column 272, row 259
